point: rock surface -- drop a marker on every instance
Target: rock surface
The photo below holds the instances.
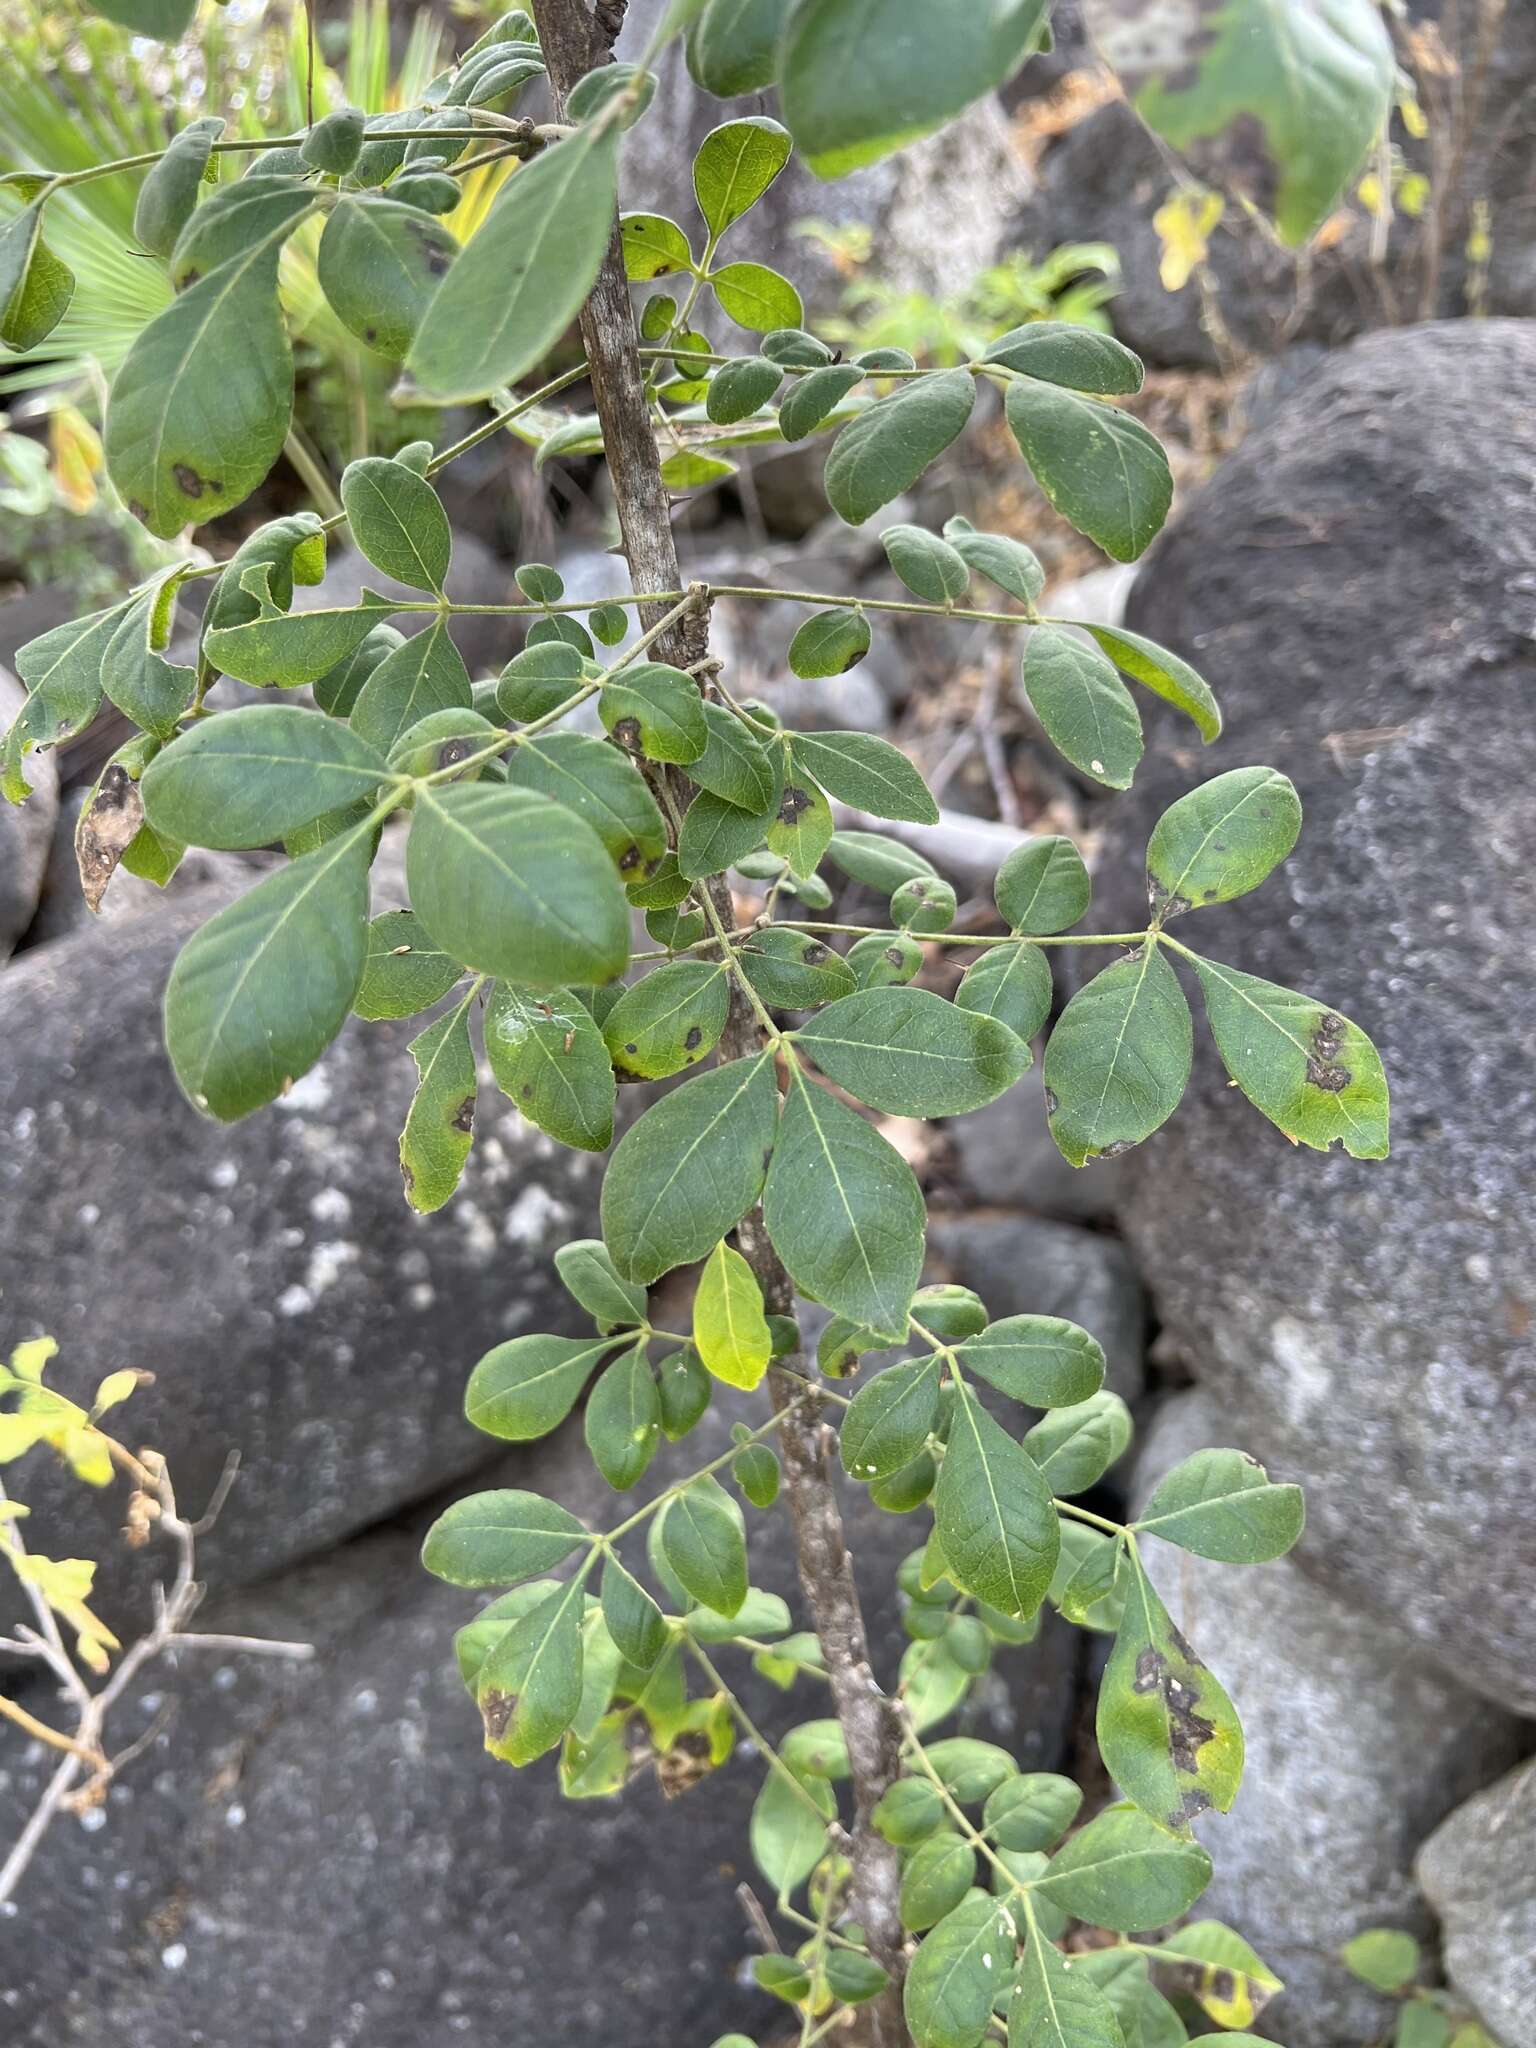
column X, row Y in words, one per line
column 1006, row 1155
column 1358, row 583
column 1478, row 1871
column 269, row 1273
column 26, row 830
column 1356, row 1747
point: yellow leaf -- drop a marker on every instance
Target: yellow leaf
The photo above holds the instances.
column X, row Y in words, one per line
column 76, row 448
column 1369, row 193
column 1184, row 223
column 116, row 1387
column 65, row 1583
column 1412, row 115
column 729, row 1327
column 28, row 1360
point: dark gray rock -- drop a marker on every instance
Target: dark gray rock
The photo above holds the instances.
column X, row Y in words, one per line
column 1358, row 583
column 1356, row 1747
column 26, row 830
column 1023, row 1265
column 269, row 1273
column 1006, row 1155
column 1478, row 1871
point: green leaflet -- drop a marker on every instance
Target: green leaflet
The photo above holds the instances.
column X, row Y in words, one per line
column 788, row 1830
column 547, row 1054
column 524, row 1388
column 735, row 764
column 1222, row 839
column 1089, row 1587
column 1055, row 2005
column 1119, row 1058
column 997, row 556
column 1012, row 984
column 35, row 285
column 907, row 1052
column 62, row 672
column 1168, row 1734
column 290, row 550
column 733, row 45
column 792, row 970
column 844, row 1212
column 1039, row 1360
column 925, row 904
column 171, row 187
column 500, row 1538
column 135, row 675
column 653, row 245
column 281, row 650
column 689, row 1169
column 908, row 1812
column 669, row 1020
column 521, row 281
column 200, row 406
column 1099, row 467
column 1125, row 1872
column 634, row 1620
column 867, row 772
column 1087, row 712
column 935, row 1878
column 1311, row 1071
column 515, row 885
column 878, row 862
column 1223, row 1505
column 885, row 449
column 1075, row 1446
column 1167, row 675
column 1043, row 886
column 958, row 1975
column 337, row 691
column 802, row 826
column 529, row 1687
column 811, row 400
column 730, row 1332
column 993, row 1515
column 1029, row 1813
column 755, row 297
column 254, row 775
column 236, row 219
column 738, row 388
column 889, row 1420
column 1386, row 1958
column 398, row 521
column 703, row 1540
column 623, row 1419
column 1277, row 100
column 1057, row 352
column 858, row 81
column 589, row 1276
column 162, row 19
column 930, row 568
column 258, row 994
column 656, row 711
column 424, row 674
column 735, row 165
column 379, row 264
column 439, row 1127
column 405, row 973
column 598, row 784
column 1229, row 1979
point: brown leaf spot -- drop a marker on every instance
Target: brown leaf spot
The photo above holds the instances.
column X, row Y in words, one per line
column 464, row 1115
column 496, row 1711
column 189, row 483
column 795, row 801
column 690, row 1043
column 106, row 830
column 1323, row 1066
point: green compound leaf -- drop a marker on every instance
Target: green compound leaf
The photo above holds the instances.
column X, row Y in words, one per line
column 669, row 1020
column 1075, row 1446
column 889, row 1420
column 930, row 568
column 1118, row 1060
column 907, row 1052
column 529, row 1687
column 735, row 165
column 1222, row 839
column 788, row 1831
column 523, row 1389
column 859, row 81
column 623, row 1419
column 405, row 973
column 793, row 971
column 254, row 775
column 689, row 1169
column 424, row 674
column 756, row 298
column 1087, row 712
column 500, row 1538
column 704, row 1541
column 439, row 1128
column 844, row 1212
column 1167, row 675
column 730, row 1331
column 200, row 407
column 515, row 885
column 1277, row 101
column 522, row 279
column 958, row 1975
column 598, row 784
column 936, row 1877
column 867, row 772
column 1055, row 2005
column 1099, row 467
column 997, row 556
column 829, row 644
column 379, row 264
column 1223, row 1505
column 1042, row 1361
column 398, row 521
column 1043, row 886
column 258, row 994
column 884, row 451
column 1313, row 1073
column 547, row 1055
column 1012, row 984
column 1168, row 1734
column 1125, row 1872
column 993, row 1515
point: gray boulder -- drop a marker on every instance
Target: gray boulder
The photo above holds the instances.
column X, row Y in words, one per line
column 26, row 830
column 269, row 1273
column 1478, row 1871
column 1358, row 583
column 1006, row 1155
column 1356, row 1746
